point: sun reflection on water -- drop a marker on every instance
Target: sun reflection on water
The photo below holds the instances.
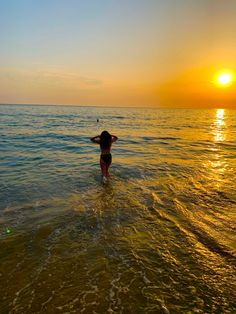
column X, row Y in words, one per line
column 218, row 164
column 219, row 125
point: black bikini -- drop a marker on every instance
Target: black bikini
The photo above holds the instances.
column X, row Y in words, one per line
column 106, row 158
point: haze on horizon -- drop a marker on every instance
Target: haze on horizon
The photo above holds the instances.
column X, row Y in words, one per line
column 117, row 53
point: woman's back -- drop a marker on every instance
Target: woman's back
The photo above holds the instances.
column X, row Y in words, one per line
column 105, row 142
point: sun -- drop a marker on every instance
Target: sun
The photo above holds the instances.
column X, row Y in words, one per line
column 224, row 78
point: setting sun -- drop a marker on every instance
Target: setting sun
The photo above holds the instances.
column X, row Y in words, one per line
column 224, row 78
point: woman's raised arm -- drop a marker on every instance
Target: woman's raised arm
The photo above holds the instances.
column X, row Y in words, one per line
column 114, row 138
column 95, row 139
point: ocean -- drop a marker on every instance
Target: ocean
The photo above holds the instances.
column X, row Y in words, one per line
column 158, row 237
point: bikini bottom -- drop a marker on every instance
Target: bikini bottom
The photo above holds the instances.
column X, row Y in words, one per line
column 106, row 158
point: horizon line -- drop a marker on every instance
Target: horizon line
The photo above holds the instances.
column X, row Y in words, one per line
column 114, row 106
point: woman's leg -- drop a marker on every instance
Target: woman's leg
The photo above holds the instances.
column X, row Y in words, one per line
column 103, row 168
column 107, row 167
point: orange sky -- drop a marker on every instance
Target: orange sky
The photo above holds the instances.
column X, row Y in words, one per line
column 108, row 53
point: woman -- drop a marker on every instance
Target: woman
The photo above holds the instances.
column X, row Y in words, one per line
column 105, row 141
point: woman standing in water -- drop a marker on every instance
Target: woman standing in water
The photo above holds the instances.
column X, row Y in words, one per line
column 105, row 141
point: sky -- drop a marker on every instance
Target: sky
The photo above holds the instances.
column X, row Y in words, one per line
column 144, row 53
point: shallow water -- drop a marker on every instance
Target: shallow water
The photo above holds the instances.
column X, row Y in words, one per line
column 159, row 237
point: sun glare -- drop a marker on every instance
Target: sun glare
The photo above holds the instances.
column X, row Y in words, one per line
column 224, row 78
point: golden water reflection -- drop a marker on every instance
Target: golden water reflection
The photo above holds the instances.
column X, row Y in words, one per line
column 219, row 126
column 217, row 163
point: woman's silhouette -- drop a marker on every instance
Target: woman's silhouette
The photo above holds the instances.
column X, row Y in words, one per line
column 105, row 141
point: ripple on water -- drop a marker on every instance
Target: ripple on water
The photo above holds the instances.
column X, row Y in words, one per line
column 157, row 238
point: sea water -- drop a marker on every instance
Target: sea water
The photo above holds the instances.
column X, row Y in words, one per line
column 158, row 237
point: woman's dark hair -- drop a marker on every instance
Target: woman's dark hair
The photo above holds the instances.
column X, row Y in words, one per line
column 105, row 140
